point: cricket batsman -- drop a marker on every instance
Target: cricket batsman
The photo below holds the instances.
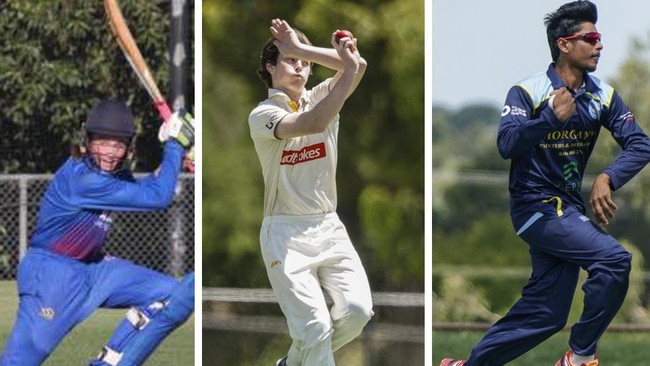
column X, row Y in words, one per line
column 65, row 275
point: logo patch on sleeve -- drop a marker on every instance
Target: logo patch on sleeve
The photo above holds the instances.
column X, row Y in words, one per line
column 47, row 313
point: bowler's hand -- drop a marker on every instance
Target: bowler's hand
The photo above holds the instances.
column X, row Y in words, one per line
column 286, row 39
column 601, row 201
column 564, row 106
column 347, row 51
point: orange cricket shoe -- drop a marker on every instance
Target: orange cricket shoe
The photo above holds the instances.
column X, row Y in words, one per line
column 566, row 361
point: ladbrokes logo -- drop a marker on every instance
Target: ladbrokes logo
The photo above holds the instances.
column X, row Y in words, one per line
column 308, row 153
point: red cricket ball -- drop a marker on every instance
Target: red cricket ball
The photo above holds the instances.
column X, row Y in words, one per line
column 341, row 34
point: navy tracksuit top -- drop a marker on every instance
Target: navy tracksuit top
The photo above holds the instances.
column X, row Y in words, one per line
column 548, row 157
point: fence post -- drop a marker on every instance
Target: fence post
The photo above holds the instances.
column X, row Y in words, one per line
column 177, row 234
column 22, row 218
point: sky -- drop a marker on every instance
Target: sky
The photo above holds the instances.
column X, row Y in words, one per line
column 481, row 48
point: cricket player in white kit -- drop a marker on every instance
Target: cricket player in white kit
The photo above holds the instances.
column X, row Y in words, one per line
column 305, row 246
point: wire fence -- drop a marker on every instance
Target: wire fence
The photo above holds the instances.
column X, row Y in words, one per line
column 161, row 240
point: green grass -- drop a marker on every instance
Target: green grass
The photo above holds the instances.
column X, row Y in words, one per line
column 86, row 339
column 614, row 349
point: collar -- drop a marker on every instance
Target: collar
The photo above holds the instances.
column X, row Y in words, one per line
column 588, row 84
column 278, row 94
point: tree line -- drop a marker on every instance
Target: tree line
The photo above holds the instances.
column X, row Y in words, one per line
column 59, row 58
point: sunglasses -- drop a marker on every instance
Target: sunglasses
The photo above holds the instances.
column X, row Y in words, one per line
column 591, row 37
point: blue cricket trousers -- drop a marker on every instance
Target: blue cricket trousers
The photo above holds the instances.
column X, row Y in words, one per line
column 560, row 244
column 57, row 292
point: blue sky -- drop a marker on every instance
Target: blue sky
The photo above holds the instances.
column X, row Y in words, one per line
column 480, row 48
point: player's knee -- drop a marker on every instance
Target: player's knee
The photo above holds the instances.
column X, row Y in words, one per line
column 356, row 319
column 616, row 268
column 625, row 268
column 557, row 323
column 315, row 332
column 181, row 302
column 359, row 316
column 626, row 262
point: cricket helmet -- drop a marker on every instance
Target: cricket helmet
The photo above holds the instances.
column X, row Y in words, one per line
column 111, row 117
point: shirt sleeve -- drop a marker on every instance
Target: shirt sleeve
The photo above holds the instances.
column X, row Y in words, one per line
column 320, row 91
column 93, row 189
column 263, row 121
column 522, row 125
column 631, row 138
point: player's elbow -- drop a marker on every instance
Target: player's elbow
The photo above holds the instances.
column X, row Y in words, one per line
column 160, row 199
column 363, row 64
column 505, row 145
column 505, row 153
column 166, row 200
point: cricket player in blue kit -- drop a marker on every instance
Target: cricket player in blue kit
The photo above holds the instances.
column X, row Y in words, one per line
column 548, row 129
column 65, row 276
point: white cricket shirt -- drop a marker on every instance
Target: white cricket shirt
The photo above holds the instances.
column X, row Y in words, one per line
column 300, row 172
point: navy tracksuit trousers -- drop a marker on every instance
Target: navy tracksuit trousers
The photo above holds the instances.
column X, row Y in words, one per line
column 560, row 244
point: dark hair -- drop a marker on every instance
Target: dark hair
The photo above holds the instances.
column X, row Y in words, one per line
column 270, row 54
column 566, row 20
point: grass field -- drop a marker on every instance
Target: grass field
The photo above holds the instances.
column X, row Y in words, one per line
column 86, row 340
column 614, row 349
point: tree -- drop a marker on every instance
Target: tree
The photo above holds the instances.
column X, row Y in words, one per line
column 58, row 59
column 381, row 149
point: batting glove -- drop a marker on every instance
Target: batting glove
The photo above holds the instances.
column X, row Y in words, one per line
column 180, row 127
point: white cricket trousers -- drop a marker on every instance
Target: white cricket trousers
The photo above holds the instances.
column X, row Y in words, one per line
column 305, row 255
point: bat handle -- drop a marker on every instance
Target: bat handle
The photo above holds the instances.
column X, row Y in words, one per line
column 163, row 110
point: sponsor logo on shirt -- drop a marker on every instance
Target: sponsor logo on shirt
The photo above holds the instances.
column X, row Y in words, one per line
column 308, row 153
column 569, row 142
column 104, row 221
column 514, row 110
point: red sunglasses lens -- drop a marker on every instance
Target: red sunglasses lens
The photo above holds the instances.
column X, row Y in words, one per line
column 592, row 37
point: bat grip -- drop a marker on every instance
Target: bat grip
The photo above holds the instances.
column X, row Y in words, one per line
column 163, row 110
